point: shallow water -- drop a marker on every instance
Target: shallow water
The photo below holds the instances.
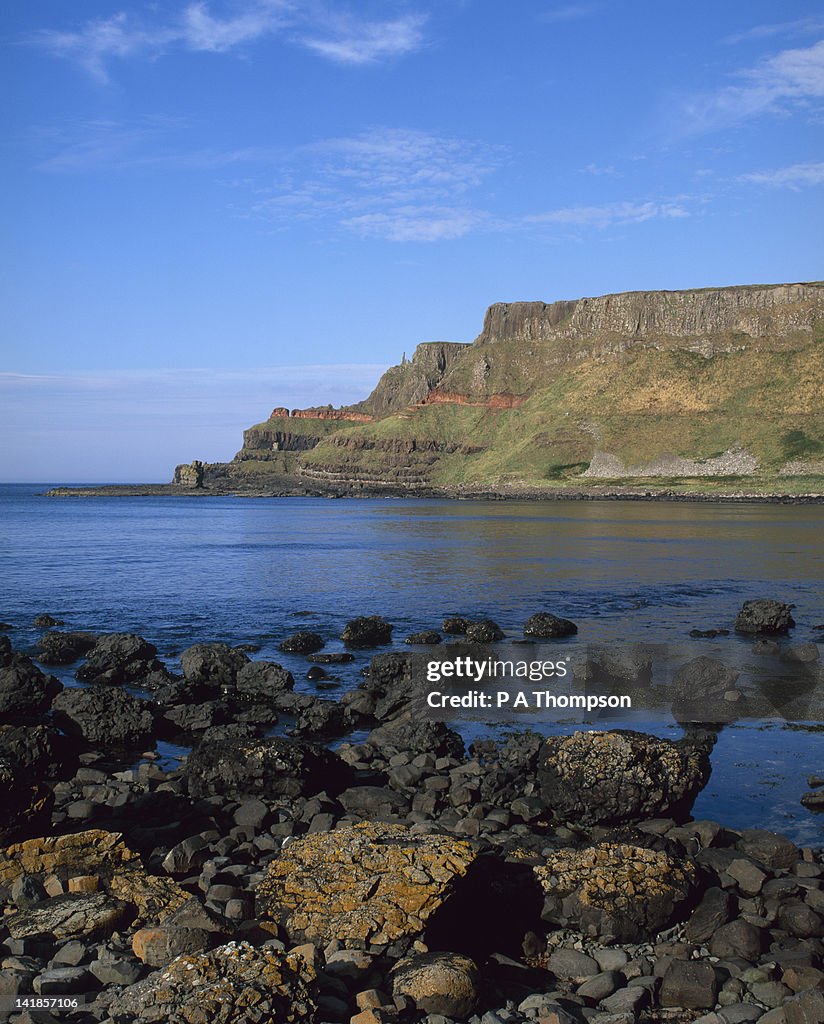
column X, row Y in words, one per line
column 182, row 570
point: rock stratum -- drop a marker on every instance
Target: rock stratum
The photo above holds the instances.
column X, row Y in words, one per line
column 713, row 389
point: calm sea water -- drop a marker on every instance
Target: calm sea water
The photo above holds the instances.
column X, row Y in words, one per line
column 248, row 570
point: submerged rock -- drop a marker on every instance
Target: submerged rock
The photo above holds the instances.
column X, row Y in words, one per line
column 609, row 778
column 367, row 884
column 764, row 616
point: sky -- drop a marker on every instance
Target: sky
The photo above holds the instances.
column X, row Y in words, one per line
column 213, row 207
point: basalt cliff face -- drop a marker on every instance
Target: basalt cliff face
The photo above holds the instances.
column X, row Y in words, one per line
column 718, row 385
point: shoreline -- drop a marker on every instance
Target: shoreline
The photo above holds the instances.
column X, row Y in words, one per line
column 621, row 493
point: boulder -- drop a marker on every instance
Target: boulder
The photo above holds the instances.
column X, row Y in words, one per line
column 71, row 916
column 366, row 631
column 265, row 768
column 419, row 737
column 545, row 626
column 58, row 648
column 96, row 854
column 763, row 616
column 40, row 749
column 119, row 658
column 212, row 666
column 615, row 891
column 484, row 632
column 609, row 778
column 445, row 983
column 261, row 681
column 428, row 637
column 768, row 848
column 366, row 884
column 689, row 984
column 24, row 690
column 107, row 719
column 233, row 984
column 302, row 642
column 455, row 625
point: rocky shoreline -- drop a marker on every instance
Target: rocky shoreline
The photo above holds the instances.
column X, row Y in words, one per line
column 594, row 493
column 398, row 877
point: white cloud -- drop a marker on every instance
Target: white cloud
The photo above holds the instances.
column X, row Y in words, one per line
column 348, row 41
column 344, row 37
column 795, row 177
column 787, row 81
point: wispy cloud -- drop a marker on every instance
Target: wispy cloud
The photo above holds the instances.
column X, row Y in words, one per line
column 796, row 27
column 390, row 183
column 609, row 215
column 795, row 177
column 343, row 36
column 789, row 80
column 154, row 141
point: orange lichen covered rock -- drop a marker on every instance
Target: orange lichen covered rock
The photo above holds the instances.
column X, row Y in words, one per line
column 370, row 884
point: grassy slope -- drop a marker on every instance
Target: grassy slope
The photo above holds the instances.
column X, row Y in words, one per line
column 639, row 406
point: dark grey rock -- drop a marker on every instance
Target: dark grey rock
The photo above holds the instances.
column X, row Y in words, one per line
column 546, row 626
column 367, row 631
column 691, row 984
column 738, row 938
column 105, row 718
column 59, row 648
column 119, row 658
column 303, row 642
column 764, row 616
column 484, row 632
column 212, row 666
column 264, row 768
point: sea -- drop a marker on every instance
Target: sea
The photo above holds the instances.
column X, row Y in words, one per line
column 182, row 570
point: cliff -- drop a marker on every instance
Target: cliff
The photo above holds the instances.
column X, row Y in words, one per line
column 719, row 385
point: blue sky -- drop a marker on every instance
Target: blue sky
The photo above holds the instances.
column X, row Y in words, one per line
column 219, row 206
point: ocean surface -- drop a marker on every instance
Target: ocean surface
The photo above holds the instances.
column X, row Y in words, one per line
column 253, row 570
